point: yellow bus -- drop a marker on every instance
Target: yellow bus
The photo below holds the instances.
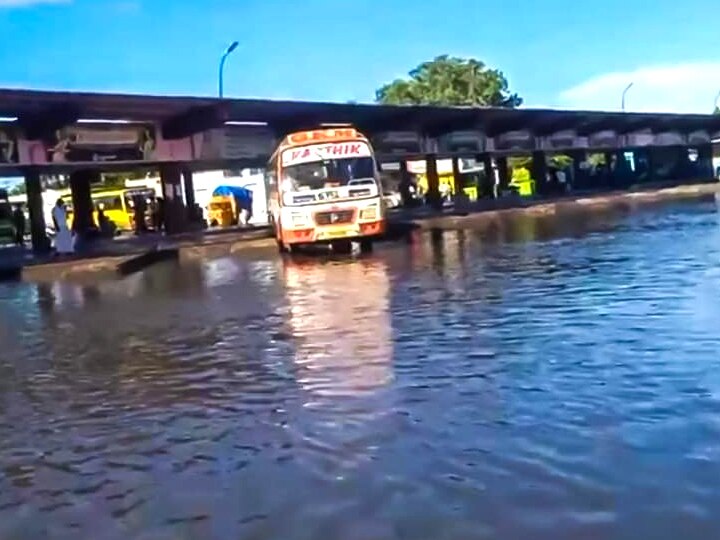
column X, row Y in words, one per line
column 117, row 205
column 324, row 187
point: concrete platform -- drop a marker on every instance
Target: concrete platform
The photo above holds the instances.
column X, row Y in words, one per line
column 473, row 215
column 115, row 258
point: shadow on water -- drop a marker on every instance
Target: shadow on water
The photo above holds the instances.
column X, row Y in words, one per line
column 543, row 376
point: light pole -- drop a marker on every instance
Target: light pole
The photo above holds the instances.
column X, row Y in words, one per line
column 628, row 87
column 230, row 49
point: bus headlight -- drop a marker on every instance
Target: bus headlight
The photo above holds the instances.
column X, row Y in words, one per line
column 299, row 219
column 369, row 214
column 287, row 198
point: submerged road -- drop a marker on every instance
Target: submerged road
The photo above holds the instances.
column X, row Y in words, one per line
column 540, row 378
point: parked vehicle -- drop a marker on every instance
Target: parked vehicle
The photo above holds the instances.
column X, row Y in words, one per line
column 324, row 188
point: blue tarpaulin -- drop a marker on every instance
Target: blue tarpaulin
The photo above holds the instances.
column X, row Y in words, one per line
column 242, row 196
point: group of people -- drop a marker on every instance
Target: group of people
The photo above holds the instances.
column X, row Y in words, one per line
column 64, row 243
column 64, row 239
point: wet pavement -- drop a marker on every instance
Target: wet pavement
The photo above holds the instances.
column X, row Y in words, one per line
column 539, row 378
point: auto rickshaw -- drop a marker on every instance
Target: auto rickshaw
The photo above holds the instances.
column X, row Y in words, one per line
column 226, row 204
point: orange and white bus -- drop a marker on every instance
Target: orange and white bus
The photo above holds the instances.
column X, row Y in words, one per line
column 324, row 187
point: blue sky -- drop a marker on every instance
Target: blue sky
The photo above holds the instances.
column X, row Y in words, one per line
column 559, row 53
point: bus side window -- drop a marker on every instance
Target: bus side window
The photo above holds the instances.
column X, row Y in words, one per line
column 271, row 177
column 109, row 203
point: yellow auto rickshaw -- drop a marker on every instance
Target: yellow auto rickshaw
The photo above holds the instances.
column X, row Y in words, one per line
column 226, row 204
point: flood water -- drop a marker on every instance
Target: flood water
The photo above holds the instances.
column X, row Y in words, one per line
column 542, row 378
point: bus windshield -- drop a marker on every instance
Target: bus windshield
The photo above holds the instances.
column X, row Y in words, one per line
column 329, row 173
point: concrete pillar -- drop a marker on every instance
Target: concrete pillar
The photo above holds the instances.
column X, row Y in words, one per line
column 610, row 166
column 175, row 217
column 642, row 173
column 503, row 174
column 433, row 194
column 189, row 190
column 538, row 172
column 487, row 186
column 650, row 161
column 33, row 189
column 656, row 158
column 457, row 180
column 188, row 187
column 704, row 162
column 83, row 221
column 623, row 172
column 405, row 182
column 578, row 180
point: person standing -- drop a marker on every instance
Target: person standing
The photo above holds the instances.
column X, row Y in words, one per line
column 63, row 236
column 18, row 219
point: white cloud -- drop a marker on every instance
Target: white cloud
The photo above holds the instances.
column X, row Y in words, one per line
column 27, row 3
column 683, row 88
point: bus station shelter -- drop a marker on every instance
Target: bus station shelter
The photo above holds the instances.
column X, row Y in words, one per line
column 85, row 134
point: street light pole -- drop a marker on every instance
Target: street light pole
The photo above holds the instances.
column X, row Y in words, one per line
column 628, row 87
column 229, row 50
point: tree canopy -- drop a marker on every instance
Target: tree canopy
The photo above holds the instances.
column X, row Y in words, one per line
column 449, row 80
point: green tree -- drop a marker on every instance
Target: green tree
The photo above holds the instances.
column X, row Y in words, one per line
column 448, row 80
column 116, row 180
column 18, row 189
column 559, row 161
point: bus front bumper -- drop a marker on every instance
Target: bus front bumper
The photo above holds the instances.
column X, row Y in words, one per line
column 329, row 234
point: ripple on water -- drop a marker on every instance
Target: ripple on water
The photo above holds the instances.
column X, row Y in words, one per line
column 543, row 378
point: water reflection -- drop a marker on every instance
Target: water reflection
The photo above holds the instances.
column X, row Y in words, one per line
column 339, row 313
column 339, row 319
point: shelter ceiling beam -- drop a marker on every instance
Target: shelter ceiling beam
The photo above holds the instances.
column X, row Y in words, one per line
column 45, row 122
column 194, row 120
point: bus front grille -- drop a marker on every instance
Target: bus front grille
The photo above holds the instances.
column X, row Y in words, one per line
column 337, row 217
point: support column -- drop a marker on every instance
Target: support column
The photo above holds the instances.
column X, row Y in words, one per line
column 503, row 175
column 457, row 183
column 33, row 189
column 189, row 190
column 538, row 172
column 405, row 183
column 578, row 180
column 433, row 194
column 704, row 162
column 188, row 187
column 83, row 221
column 173, row 207
column 487, row 186
column 623, row 172
column 650, row 160
column 610, row 166
column 656, row 158
column 459, row 196
column 685, row 167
